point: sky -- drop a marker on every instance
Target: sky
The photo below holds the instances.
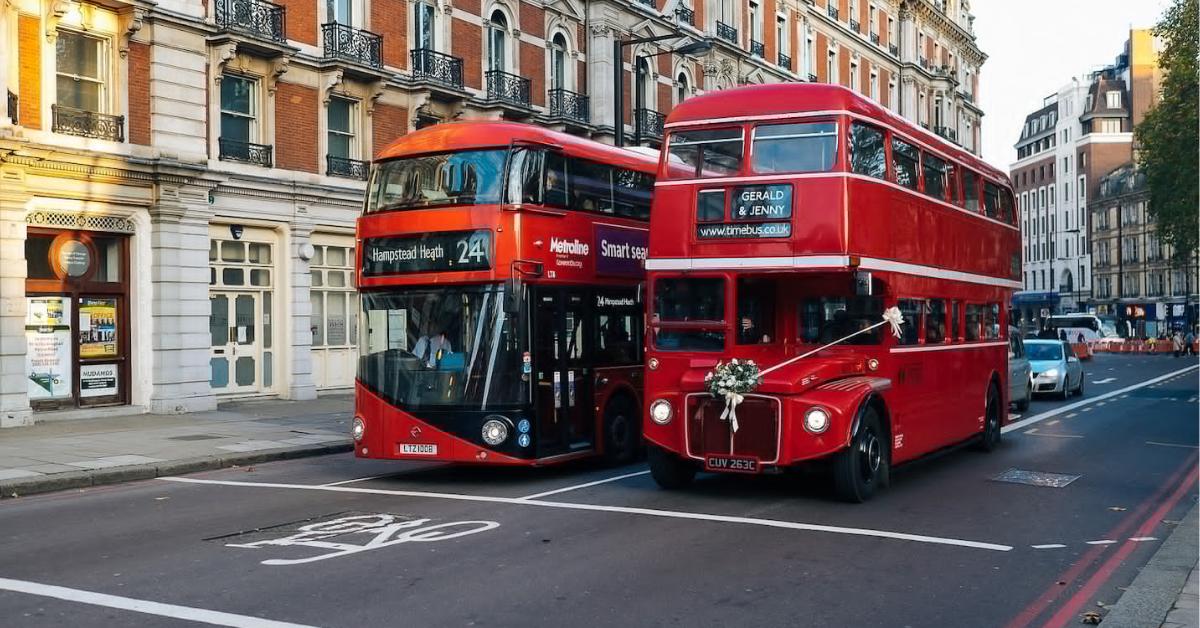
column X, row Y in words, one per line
column 1036, row 46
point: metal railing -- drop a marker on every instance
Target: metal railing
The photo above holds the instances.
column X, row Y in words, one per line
column 248, row 152
column 349, row 168
column 854, row 25
column 686, row 15
column 648, row 124
column 431, row 65
column 101, row 126
column 14, row 106
column 352, row 44
column 947, row 133
column 758, row 48
column 565, row 103
column 727, row 32
column 832, row 10
column 894, row 50
column 967, row 97
column 255, row 17
column 785, row 61
column 508, row 87
column 875, row 38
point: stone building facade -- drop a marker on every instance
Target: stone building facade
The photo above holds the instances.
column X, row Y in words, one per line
column 179, row 179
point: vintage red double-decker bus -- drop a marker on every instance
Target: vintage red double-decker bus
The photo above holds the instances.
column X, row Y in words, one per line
column 808, row 211
column 500, row 272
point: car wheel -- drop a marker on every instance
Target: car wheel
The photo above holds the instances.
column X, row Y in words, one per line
column 668, row 470
column 1079, row 389
column 1065, row 393
column 1023, row 404
column 863, row 467
column 990, row 439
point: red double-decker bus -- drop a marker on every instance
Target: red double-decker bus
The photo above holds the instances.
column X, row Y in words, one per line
column 808, row 210
column 500, row 272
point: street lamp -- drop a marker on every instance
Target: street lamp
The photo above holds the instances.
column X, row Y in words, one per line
column 694, row 48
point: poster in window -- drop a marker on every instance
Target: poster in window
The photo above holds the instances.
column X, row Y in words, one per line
column 97, row 328
column 48, row 347
column 97, row 380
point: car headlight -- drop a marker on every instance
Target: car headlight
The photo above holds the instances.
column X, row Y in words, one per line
column 358, row 429
column 495, row 432
column 1050, row 373
column 661, row 412
column 816, row 420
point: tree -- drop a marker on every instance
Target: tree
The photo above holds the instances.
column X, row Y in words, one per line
column 1168, row 141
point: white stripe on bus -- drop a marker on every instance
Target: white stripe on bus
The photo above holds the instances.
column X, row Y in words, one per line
column 822, row 261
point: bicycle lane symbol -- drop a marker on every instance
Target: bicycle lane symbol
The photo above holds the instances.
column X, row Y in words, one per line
column 379, row 531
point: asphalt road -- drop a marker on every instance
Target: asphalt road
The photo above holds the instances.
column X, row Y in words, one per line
column 335, row 541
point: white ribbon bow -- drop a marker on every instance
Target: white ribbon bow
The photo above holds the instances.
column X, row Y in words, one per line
column 732, row 400
column 893, row 317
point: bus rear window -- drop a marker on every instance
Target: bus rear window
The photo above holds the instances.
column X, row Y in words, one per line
column 797, row 147
column 706, row 153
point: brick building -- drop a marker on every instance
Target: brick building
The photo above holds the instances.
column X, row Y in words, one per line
column 179, row 180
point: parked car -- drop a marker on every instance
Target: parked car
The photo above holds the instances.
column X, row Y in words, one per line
column 1020, row 374
column 1055, row 369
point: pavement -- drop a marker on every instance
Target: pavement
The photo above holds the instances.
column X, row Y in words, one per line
column 58, row 455
column 337, row 541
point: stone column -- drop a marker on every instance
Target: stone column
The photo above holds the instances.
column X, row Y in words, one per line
column 600, row 68
column 179, row 292
column 14, row 398
column 297, row 350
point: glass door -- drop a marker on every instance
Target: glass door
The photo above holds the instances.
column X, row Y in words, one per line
column 561, row 346
column 235, row 329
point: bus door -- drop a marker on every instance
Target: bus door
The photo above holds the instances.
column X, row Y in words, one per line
column 561, row 353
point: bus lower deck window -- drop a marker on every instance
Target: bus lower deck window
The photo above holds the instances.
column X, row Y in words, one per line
column 756, row 311
column 911, row 309
column 935, row 321
column 826, row 319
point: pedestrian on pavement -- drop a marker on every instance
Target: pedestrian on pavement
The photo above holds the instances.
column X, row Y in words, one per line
column 1189, row 342
column 1177, row 343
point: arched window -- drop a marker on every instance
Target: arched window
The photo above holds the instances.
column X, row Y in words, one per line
column 682, row 88
column 645, row 82
column 426, row 25
column 558, row 62
column 497, row 38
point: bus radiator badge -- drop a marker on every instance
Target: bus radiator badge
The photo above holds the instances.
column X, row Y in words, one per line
column 415, row 431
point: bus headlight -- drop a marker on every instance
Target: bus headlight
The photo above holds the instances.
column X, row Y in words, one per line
column 358, row 429
column 816, row 420
column 661, row 412
column 494, row 432
column 652, row 363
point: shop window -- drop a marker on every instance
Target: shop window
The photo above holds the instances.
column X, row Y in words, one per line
column 260, row 253
column 233, row 276
column 233, row 252
column 37, row 256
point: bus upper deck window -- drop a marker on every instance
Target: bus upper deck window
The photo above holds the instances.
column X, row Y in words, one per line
column 991, row 200
column 970, row 190
column 867, row 154
column 904, row 162
column 707, row 153
column 798, row 147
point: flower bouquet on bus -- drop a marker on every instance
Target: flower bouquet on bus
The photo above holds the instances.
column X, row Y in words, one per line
column 735, row 379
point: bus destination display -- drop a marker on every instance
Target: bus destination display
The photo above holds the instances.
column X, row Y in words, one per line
column 430, row 252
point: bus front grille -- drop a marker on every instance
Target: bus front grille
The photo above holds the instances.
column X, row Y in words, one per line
column 758, row 427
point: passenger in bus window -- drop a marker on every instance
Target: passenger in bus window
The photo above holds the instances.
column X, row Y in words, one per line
column 756, row 311
column 432, row 348
column 935, row 321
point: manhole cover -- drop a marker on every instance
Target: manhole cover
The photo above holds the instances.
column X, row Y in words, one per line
column 1036, row 478
column 195, row 437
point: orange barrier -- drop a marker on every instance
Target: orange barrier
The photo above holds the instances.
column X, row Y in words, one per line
column 1081, row 351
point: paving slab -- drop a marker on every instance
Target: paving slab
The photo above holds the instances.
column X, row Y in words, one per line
column 1164, row 592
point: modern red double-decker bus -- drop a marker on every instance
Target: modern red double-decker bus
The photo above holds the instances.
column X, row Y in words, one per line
column 810, row 210
column 500, row 272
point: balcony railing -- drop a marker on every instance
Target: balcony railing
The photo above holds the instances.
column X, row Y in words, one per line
column 255, row 17
column 565, row 103
column 508, row 87
column 757, row 48
column 648, row 124
column 247, row 152
column 925, row 63
column 875, row 38
column 967, row 96
column 14, row 103
column 101, row 126
column 854, row 25
column 686, row 15
column 785, row 61
column 345, row 42
column 430, row 65
column 349, row 168
column 894, row 50
column 832, row 10
column 947, row 133
column 727, row 32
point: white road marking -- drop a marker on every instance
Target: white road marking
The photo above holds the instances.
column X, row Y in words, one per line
column 650, row 512
column 1104, row 542
column 187, row 613
column 1139, row 539
column 586, row 485
column 1086, row 402
column 369, row 477
column 1151, row 442
column 1055, row 422
column 1104, row 381
column 1101, row 404
column 1070, row 416
column 1192, row 399
column 1049, row 546
column 1037, row 433
column 1013, row 417
column 1087, row 409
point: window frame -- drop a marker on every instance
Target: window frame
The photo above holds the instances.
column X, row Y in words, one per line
column 354, row 150
column 748, row 148
column 104, row 69
column 254, row 135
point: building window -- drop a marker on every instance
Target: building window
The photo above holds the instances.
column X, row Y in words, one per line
column 1113, row 99
column 781, row 35
column 82, row 70
column 497, row 38
column 342, row 118
column 558, row 62
column 1110, row 126
column 831, row 67
column 239, row 109
column 893, row 97
column 339, row 11
column 756, row 22
column 875, row 85
column 426, row 26
column 333, row 320
column 854, row 76
column 810, row 54
column 682, row 88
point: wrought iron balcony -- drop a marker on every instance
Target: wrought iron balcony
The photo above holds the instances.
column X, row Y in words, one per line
column 648, row 124
column 13, row 107
column 351, row 44
column 255, row 17
column 686, row 15
column 812, row 78
column 894, row 50
column 875, row 38
column 785, row 61
column 947, row 133
column 967, row 97
column 757, row 48
column 727, row 32
column 832, row 10
column 565, row 103
column 854, row 25
column 430, row 65
column 247, row 152
column 101, row 126
column 925, row 63
column 508, row 87
column 349, row 168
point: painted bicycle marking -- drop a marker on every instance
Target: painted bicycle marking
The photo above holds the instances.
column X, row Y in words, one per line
column 379, row 531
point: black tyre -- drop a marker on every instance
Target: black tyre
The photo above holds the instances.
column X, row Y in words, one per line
column 1065, row 393
column 1023, row 404
column 990, row 439
column 668, row 470
column 1079, row 389
column 862, row 469
column 622, row 431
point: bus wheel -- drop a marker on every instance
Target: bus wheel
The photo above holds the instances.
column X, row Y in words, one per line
column 862, row 468
column 668, row 470
column 621, row 434
column 990, row 439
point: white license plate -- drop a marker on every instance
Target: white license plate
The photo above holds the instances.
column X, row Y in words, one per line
column 419, row 450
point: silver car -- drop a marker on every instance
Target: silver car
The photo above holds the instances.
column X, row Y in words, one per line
column 1056, row 370
column 1020, row 374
